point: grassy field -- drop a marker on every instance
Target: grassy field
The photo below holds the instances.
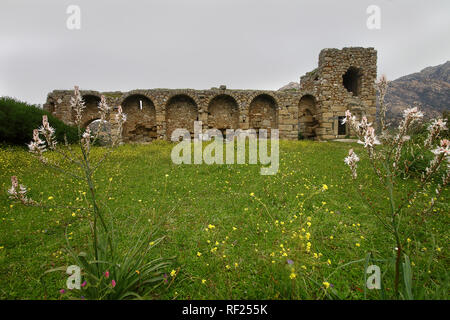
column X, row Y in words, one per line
column 235, row 233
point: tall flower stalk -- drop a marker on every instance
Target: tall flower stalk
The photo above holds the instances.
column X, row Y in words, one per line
column 385, row 155
column 107, row 274
column 44, row 140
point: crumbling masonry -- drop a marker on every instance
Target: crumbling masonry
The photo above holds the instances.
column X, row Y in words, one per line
column 344, row 80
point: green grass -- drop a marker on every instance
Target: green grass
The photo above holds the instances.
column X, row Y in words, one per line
column 254, row 236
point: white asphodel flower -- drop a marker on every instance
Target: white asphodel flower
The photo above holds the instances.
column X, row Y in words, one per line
column 103, row 107
column 120, row 116
column 37, row 146
column 413, row 114
column 351, row 160
column 77, row 105
column 19, row 192
column 86, row 138
column 434, row 129
column 14, row 184
column 48, row 132
column 443, row 148
column 370, row 139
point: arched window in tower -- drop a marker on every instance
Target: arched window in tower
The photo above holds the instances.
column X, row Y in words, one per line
column 352, row 80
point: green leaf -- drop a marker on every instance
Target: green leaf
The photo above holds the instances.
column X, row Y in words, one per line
column 407, row 277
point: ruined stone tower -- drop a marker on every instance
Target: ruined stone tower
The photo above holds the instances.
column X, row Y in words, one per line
column 344, row 80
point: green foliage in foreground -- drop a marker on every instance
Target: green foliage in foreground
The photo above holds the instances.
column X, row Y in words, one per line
column 18, row 119
column 235, row 234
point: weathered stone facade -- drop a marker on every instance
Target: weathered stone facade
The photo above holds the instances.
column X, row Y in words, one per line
column 343, row 80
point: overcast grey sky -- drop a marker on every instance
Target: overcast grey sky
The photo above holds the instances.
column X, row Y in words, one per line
column 244, row 44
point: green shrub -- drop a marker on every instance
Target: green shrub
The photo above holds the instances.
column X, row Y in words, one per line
column 18, row 119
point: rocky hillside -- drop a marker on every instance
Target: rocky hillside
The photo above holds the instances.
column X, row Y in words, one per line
column 290, row 86
column 429, row 87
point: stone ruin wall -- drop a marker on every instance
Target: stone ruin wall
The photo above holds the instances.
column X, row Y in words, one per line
column 343, row 80
column 332, row 98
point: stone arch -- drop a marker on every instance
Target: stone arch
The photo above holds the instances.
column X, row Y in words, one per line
column 90, row 112
column 352, row 80
column 223, row 113
column 263, row 113
column 181, row 112
column 307, row 113
column 141, row 119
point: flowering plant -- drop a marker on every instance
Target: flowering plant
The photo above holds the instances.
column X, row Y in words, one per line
column 108, row 274
column 386, row 157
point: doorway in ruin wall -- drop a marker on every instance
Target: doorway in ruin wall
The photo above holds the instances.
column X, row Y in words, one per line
column 141, row 119
column 181, row 112
column 223, row 113
column 307, row 113
column 263, row 113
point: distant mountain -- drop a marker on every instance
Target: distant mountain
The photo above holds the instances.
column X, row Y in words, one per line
column 429, row 87
column 290, row 86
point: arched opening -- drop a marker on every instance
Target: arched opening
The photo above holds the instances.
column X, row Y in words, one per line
column 90, row 112
column 352, row 80
column 102, row 128
column 181, row 112
column 263, row 113
column 141, row 119
column 223, row 113
column 307, row 122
